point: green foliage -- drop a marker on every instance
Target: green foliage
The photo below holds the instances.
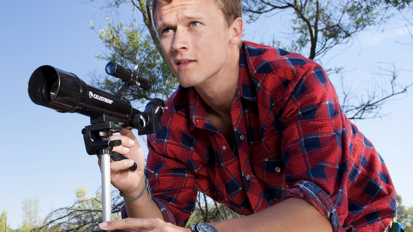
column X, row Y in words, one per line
column 319, row 25
column 4, row 227
column 26, row 227
column 400, row 5
column 208, row 210
column 84, row 215
column 405, row 215
column 130, row 46
column 31, row 217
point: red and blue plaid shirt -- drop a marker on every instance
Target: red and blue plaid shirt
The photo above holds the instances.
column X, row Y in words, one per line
column 293, row 140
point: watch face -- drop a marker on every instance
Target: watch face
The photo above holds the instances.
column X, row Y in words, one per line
column 204, row 227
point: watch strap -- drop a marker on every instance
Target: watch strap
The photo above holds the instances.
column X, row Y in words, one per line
column 194, row 228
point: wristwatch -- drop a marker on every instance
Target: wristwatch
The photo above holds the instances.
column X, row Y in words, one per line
column 202, row 227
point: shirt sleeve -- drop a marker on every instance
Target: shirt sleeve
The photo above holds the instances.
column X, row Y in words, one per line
column 327, row 161
column 172, row 185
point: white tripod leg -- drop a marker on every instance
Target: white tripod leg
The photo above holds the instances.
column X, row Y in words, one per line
column 106, row 196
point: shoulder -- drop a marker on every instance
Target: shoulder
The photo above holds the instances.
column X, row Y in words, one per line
column 278, row 71
column 263, row 60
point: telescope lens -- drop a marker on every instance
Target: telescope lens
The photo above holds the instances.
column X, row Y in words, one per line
column 54, row 90
column 110, row 67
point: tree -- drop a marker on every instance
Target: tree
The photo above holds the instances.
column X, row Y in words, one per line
column 84, row 215
column 30, row 215
column 317, row 26
column 398, row 4
column 405, row 216
column 4, row 227
column 358, row 103
column 208, row 210
column 130, row 46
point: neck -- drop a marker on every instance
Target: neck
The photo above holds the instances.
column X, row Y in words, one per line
column 219, row 95
column 219, row 99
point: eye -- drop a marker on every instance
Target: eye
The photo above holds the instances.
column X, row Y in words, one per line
column 166, row 30
column 194, row 23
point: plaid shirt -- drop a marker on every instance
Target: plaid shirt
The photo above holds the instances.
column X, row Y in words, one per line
column 293, row 140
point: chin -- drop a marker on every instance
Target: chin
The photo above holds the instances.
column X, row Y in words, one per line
column 186, row 82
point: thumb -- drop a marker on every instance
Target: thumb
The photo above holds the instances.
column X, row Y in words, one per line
column 127, row 132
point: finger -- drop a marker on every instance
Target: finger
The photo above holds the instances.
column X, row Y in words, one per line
column 121, row 165
column 99, row 163
column 121, row 149
column 128, row 133
column 126, row 141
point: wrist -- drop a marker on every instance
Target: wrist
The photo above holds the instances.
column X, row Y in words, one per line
column 137, row 194
column 202, row 227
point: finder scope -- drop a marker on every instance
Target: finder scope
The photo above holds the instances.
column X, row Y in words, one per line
column 129, row 76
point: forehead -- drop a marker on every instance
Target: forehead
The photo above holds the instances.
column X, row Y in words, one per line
column 184, row 8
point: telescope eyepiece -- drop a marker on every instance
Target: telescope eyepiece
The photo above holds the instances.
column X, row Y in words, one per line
column 54, row 90
column 111, row 68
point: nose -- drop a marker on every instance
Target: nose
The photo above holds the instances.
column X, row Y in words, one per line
column 180, row 41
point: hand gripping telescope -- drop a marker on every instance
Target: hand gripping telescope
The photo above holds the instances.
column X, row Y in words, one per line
column 66, row 93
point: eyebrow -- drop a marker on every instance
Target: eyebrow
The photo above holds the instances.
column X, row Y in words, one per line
column 185, row 17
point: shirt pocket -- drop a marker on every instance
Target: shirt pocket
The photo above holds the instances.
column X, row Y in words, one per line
column 272, row 179
column 272, row 169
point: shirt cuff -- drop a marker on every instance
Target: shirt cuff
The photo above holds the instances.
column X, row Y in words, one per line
column 317, row 197
column 168, row 216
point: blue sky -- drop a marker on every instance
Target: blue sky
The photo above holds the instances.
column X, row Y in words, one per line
column 43, row 151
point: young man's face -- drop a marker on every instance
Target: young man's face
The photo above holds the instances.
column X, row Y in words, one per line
column 195, row 39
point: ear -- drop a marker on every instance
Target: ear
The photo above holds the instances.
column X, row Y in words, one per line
column 236, row 31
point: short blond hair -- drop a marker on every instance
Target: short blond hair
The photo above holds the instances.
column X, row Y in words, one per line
column 231, row 9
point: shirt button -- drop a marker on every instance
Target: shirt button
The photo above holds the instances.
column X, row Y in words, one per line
column 241, row 137
column 248, row 177
column 224, row 148
column 277, row 169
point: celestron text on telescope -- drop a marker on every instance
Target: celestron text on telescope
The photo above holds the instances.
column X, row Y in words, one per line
column 99, row 98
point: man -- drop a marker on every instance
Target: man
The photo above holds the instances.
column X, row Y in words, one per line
column 255, row 128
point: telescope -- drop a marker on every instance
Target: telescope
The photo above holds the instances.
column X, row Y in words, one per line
column 66, row 93
column 109, row 112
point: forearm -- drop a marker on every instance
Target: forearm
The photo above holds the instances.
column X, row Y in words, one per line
column 293, row 214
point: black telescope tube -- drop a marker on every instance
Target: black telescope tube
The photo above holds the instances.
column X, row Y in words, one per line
column 127, row 75
column 66, row 93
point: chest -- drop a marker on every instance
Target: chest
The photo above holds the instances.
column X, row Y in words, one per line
column 255, row 172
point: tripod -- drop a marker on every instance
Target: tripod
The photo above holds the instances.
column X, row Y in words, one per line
column 101, row 128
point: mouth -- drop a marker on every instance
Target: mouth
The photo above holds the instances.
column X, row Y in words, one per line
column 181, row 62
